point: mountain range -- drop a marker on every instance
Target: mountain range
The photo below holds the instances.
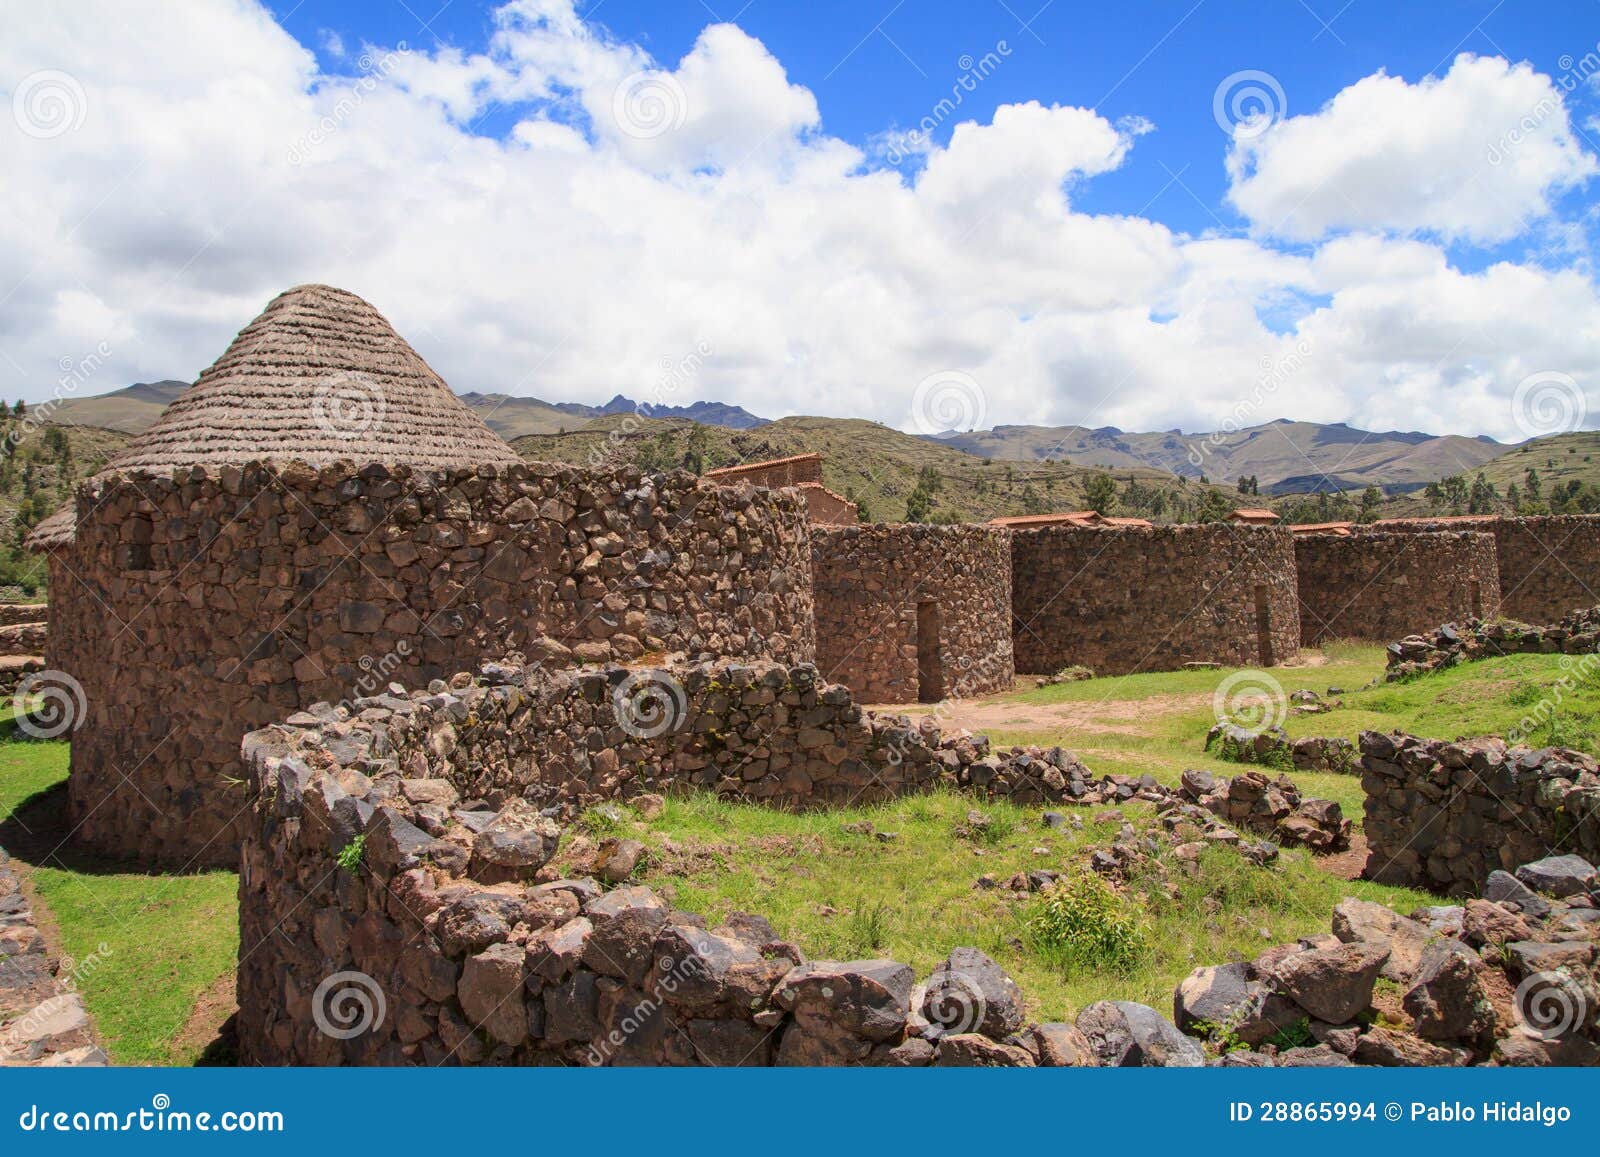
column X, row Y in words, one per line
column 1284, row 457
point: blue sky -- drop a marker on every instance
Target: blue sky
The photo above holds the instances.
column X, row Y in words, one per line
column 875, row 65
column 673, row 201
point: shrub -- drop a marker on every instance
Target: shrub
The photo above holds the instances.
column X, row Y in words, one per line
column 1081, row 923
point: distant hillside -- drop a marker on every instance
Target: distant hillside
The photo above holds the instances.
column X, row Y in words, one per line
column 37, row 474
column 1565, row 479
column 1283, row 456
column 130, row 409
column 134, row 408
column 886, row 471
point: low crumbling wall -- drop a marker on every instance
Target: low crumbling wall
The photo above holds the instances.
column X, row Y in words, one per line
column 398, row 904
column 1152, row 598
column 213, row 601
column 24, row 628
column 439, row 911
column 1443, row 816
column 1384, row 585
column 913, row 612
column 1546, row 564
column 1447, row 645
column 42, row 1018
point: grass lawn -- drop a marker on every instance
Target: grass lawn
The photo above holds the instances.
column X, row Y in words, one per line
column 159, row 942
column 844, row 895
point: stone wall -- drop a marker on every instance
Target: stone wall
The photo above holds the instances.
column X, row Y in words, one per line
column 1381, row 586
column 24, row 627
column 825, row 508
column 909, row 613
column 202, row 605
column 1444, row 816
column 1153, row 598
column 42, row 1018
column 1447, row 645
column 481, row 957
column 778, row 472
column 1547, row 565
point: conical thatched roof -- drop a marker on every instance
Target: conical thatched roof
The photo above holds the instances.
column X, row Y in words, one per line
column 320, row 376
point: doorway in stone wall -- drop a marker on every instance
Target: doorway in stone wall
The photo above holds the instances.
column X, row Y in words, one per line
column 930, row 666
column 1263, row 628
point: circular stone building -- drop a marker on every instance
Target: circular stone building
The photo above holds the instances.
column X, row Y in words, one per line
column 318, row 516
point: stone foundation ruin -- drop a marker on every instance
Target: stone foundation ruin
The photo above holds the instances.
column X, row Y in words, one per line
column 913, row 613
column 1546, row 564
column 1446, row 816
column 1381, row 586
column 1126, row 599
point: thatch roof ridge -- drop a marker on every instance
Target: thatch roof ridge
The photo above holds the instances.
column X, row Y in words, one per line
column 318, row 376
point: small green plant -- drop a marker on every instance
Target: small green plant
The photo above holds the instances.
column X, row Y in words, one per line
column 604, row 819
column 351, row 854
column 986, row 830
column 1082, row 923
column 866, row 929
column 1293, row 1036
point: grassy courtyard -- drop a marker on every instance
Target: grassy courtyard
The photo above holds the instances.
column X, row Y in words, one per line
column 164, row 945
column 157, row 946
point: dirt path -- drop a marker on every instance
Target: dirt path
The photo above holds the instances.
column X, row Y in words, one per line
column 1108, row 717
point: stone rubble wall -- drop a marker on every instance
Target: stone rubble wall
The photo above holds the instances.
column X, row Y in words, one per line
column 481, row 960
column 869, row 582
column 42, row 1018
column 1374, row 585
column 213, row 601
column 1126, row 599
column 1444, row 816
column 1547, row 564
column 1452, row 643
column 12, row 614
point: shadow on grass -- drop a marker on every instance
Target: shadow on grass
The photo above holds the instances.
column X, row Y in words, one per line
column 38, row 833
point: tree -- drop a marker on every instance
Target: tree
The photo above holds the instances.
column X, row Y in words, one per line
column 1482, row 498
column 699, row 445
column 1434, row 494
column 1100, row 493
column 1213, row 507
column 1371, row 499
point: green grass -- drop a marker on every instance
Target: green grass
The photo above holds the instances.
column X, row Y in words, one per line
column 846, row 896
column 158, row 942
